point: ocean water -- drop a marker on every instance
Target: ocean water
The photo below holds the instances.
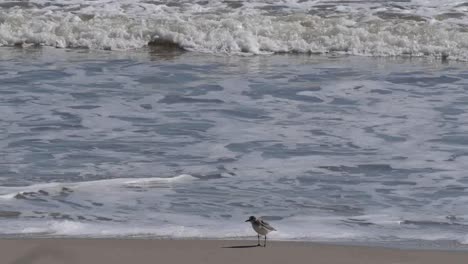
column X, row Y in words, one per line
column 341, row 121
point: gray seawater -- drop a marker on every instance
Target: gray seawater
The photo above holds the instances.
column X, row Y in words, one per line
column 162, row 143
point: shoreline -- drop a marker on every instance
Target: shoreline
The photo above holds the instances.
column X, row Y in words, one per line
column 134, row 250
column 419, row 245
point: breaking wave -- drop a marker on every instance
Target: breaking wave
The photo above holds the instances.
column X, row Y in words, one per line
column 315, row 27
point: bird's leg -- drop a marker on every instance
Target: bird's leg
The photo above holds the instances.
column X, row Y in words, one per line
column 258, row 237
column 264, row 245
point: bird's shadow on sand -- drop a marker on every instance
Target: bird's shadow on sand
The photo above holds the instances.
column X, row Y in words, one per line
column 246, row 246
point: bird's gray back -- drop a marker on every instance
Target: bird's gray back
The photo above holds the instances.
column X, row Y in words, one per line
column 265, row 224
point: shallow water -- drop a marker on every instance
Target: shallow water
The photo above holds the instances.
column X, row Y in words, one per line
column 165, row 143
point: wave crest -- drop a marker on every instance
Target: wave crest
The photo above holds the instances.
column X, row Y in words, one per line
column 379, row 34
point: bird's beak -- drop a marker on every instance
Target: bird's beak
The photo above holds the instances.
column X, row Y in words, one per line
column 247, row 220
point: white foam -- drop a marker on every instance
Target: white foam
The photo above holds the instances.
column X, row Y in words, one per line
column 173, row 225
column 194, row 228
column 129, row 25
column 11, row 192
column 146, row 181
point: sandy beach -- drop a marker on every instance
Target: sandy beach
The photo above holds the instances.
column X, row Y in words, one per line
column 117, row 251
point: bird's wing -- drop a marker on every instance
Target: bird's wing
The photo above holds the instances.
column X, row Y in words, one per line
column 266, row 225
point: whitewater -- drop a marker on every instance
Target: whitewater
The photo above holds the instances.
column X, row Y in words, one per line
column 367, row 28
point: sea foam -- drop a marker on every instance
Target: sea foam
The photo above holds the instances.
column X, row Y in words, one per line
column 11, row 192
column 364, row 29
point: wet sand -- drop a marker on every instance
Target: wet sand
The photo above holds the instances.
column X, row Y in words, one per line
column 120, row 251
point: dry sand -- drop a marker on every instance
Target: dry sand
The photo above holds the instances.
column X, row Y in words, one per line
column 136, row 251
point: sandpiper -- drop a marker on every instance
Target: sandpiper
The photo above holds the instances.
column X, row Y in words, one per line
column 261, row 227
